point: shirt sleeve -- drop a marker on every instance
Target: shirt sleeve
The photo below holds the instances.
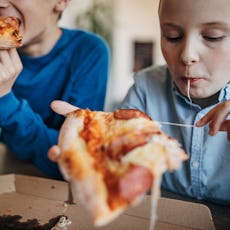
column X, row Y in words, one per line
column 26, row 135
column 135, row 97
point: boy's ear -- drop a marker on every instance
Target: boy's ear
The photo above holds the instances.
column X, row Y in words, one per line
column 61, row 5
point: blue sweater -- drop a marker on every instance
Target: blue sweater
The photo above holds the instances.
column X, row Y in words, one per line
column 75, row 71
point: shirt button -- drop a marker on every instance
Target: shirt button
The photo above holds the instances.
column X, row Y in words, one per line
column 195, row 164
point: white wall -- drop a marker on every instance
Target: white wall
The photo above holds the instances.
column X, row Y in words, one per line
column 69, row 15
column 133, row 20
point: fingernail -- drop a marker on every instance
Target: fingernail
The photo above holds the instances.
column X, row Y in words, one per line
column 211, row 132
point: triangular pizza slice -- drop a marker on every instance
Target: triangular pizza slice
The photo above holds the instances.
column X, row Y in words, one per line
column 113, row 158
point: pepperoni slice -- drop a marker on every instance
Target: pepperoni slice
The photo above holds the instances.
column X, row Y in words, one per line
column 136, row 181
column 126, row 114
column 120, row 145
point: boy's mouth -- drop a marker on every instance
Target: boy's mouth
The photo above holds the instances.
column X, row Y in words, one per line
column 193, row 80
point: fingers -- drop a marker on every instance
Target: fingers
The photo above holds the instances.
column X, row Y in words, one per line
column 217, row 119
column 11, row 60
column 206, row 119
column 54, row 153
column 225, row 126
column 211, row 119
column 10, row 67
column 62, row 107
column 15, row 59
column 217, row 122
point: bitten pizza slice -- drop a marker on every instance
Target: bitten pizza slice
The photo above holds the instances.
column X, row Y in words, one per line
column 113, row 158
column 9, row 33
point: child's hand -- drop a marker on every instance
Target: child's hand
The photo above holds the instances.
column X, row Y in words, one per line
column 62, row 108
column 53, row 153
column 217, row 119
column 10, row 67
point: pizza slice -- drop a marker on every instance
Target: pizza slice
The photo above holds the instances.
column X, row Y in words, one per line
column 113, row 158
column 9, row 33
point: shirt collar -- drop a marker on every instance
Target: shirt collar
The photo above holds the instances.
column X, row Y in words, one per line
column 223, row 96
column 224, row 93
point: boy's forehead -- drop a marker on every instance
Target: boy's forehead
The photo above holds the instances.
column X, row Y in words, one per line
column 206, row 10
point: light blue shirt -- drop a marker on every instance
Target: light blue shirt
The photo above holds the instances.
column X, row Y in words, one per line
column 206, row 175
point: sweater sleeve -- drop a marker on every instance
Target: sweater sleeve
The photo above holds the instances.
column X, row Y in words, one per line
column 89, row 81
column 26, row 135
column 82, row 82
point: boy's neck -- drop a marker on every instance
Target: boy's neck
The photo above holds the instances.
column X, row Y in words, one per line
column 205, row 102
column 41, row 45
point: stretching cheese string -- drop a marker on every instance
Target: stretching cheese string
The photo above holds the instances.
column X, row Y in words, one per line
column 188, row 91
column 188, row 84
column 155, row 194
column 188, row 95
column 175, row 124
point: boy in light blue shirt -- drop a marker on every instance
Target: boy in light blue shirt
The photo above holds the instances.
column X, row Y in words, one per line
column 195, row 41
column 193, row 88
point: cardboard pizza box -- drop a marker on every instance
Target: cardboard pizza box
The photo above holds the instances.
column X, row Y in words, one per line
column 33, row 200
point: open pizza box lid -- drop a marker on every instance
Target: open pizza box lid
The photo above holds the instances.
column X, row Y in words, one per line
column 43, row 200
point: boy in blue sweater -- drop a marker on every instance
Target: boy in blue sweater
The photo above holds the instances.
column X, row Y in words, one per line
column 53, row 63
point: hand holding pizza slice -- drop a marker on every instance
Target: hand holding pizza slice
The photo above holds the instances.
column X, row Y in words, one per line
column 9, row 33
column 113, row 158
column 10, row 62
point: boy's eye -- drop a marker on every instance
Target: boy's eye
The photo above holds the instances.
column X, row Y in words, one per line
column 173, row 39
column 172, row 34
column 213, row 38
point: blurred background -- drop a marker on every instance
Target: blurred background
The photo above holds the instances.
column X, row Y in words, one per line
column 130, row 27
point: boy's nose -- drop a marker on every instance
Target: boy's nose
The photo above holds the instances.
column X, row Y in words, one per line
column 189, row 54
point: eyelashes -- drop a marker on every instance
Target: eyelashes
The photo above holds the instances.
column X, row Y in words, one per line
column 213, row 39
column 206, row 38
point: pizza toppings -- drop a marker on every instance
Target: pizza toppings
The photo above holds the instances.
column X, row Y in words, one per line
column 114, row 158
column 10, row 36
column 136, row 181
column 120, row 145
column 126, row 114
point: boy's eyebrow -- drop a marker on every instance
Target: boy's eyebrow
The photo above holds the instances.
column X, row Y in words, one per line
column 205, row 23
column 218, row 25
column 223, row 24
column 169, row 24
